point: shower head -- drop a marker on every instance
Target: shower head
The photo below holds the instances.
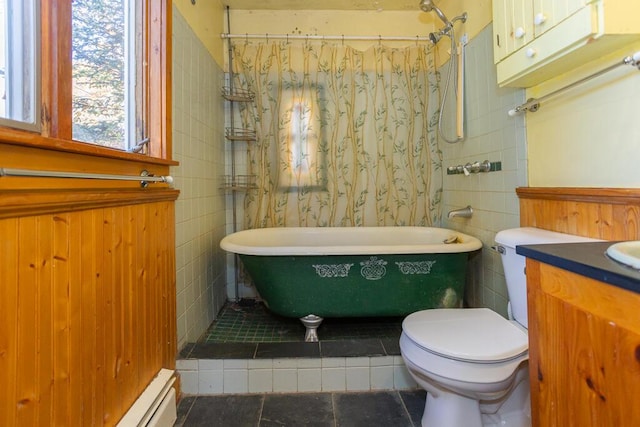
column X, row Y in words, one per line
column 437, row 35
column 429, row 6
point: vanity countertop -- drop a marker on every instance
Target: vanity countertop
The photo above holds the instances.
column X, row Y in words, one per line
column 587, row 259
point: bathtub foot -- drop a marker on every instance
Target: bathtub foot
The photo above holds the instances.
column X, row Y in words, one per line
column 311, row 322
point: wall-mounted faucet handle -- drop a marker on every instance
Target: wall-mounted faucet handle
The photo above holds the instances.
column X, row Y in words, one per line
column 475, row 167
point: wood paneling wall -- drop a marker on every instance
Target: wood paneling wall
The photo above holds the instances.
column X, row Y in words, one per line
column 87, row 311
column 604, row 213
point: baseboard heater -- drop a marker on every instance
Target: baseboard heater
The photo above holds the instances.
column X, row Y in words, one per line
column 156, row 406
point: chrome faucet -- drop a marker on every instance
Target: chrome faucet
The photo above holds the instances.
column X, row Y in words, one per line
column 462, row 212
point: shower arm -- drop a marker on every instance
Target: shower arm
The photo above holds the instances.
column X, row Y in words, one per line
column 462, row 18
column 449, row 25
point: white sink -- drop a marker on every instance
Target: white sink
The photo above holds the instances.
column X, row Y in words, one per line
column 627, row 253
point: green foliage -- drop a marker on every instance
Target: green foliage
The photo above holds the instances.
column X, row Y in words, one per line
column 98, row 55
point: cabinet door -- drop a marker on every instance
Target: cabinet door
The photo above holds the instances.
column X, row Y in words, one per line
column 549, row 13
column 584, row 350
column 512, row 26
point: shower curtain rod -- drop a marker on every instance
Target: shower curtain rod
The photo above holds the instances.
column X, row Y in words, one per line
column 319, row 37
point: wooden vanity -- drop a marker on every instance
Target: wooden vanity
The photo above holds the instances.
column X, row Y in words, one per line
column 584, row 309
column 584, row 339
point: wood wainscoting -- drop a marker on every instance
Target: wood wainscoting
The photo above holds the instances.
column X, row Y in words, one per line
column 87, row 307
column 602, row 213
column 584, row 335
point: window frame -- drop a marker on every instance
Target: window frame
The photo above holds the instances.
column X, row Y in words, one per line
column 55, row 73
column 16, row 52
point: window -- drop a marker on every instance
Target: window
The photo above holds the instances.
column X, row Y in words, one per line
column 106, row 45
column 99, row 73
column 18, row 52
column 302, row 143
column 301, row 152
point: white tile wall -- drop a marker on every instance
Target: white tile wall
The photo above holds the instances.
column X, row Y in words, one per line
column 310, row 380
column 285, row 380
column 210, row 382
column 260, row 380
column 235, row 381
column 358, row 374
column 202, row 377
column 382, row 371
column 334, row 374
column 491, row 135
column 198, row 144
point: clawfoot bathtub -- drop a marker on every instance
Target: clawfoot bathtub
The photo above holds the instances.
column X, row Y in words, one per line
column 317, row 272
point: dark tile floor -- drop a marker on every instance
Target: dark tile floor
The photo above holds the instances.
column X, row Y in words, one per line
column 370, row 409
column 267, row 350
column 249, row 321
column 247, row 330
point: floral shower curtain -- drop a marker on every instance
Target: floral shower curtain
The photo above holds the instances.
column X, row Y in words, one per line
column 344, row 137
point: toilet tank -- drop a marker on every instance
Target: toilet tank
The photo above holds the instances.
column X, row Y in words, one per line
column 514, row 264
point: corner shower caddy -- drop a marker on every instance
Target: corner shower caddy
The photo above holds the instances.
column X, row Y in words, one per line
column 235, row 182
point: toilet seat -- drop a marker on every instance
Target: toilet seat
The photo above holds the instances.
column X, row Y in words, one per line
column 476, row 335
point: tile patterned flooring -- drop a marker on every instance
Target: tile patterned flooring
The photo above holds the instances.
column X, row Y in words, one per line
column 248, row 331
column 250, row 322
column 369, row 409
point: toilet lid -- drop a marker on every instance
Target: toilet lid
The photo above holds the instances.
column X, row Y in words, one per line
column 472, row 334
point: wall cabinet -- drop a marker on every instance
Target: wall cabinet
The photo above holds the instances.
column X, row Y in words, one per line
column 584, row 348
column 535, row 40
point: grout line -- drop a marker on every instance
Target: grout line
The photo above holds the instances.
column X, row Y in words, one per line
column 186, row 415
column 404, row 405
column 334, row 408
column 264, row 396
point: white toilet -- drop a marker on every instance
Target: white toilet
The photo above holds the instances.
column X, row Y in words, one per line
column 473, row 362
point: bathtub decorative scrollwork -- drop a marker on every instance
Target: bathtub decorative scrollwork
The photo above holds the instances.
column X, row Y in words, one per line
column 332, row 270
column 374, row 269
column 418, row 267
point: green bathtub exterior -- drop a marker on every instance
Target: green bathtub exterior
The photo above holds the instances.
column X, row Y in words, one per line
column 358, row 285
